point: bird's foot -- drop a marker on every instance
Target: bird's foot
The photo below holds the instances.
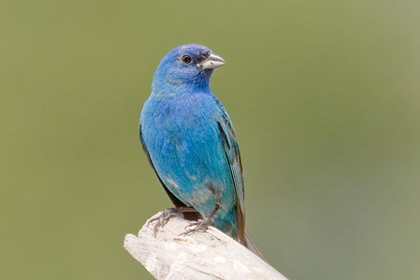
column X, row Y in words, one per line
column 161, row 220
column 200, row 226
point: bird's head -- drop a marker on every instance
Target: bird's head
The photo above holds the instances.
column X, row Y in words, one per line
column 187, row 67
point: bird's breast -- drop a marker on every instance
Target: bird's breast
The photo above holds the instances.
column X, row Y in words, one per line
column 180, row 122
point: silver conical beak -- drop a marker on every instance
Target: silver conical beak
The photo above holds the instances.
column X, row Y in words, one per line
column 211, row 62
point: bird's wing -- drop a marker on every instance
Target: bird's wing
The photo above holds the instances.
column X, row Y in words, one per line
column 233, row 157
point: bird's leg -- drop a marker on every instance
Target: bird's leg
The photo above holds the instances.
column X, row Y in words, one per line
column 202, row 224
column 161, row 220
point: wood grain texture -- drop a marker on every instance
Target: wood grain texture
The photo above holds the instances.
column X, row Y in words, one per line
column 204, row 255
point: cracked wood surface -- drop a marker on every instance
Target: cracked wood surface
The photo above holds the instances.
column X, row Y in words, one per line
column 204, row 255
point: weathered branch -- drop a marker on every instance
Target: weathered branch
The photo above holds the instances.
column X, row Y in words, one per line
column 205, row 255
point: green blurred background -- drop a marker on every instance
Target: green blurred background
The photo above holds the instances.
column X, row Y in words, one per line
column 324, row 96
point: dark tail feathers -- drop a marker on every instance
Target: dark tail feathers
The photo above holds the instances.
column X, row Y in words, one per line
column 248, row 243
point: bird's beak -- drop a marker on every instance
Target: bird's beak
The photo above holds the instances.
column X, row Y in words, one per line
column 211, row 62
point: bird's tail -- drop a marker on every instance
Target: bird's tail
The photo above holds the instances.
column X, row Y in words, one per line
column 250, row 245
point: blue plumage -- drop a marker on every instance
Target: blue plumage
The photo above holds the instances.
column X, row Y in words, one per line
column 190, row 142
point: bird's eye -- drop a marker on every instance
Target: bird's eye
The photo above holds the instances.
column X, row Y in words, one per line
column 186, row 58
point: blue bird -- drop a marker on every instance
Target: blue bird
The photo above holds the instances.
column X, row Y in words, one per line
column 189, row 140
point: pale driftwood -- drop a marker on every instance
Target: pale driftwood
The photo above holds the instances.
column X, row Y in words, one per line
column 203, row 255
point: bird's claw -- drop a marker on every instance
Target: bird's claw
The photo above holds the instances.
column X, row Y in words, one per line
column 201, row 226
column 161, row 220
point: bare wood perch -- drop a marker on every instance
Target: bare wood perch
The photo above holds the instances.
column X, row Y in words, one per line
column 205, row 255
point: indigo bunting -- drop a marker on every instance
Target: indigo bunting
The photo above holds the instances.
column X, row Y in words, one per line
column 189, row 140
